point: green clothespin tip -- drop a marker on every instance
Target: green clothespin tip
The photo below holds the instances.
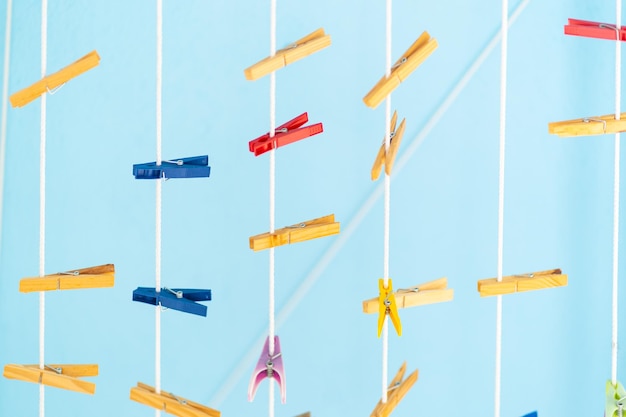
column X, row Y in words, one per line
column 615, row 399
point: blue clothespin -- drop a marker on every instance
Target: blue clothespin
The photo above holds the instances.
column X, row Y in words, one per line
column 192, row 167
column 181, row 299
column 533, row 414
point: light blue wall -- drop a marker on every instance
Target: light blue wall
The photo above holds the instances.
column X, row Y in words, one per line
column 558, row 206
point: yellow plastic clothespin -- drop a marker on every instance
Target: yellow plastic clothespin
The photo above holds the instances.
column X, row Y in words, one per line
column 587, row 126
column 301, row 48
column 170, row 403
column 387, row 306
column 615, row 400
column 412, row 58
column 52, row 81
column 431, row 292
column 395, row 392
column 300, row 232
column 58, row 376
column 523, row 282
column 93, row 277
column 388, row 157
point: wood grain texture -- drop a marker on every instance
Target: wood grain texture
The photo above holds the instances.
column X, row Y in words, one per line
column 310, row 229
column 429, row 293
column 523, row 282
column 594, row 125
column 170, row 403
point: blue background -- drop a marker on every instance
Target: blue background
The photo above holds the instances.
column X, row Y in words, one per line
column 558, row 206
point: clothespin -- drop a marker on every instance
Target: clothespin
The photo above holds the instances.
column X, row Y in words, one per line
column 93, row 277
column 599, row 125
column 523, row 282
column 412, row 58
column 594, row 30
column 307, row 414
column 307, row 230
column 615, row 405
column 181, row 299
column 52, row 81
column 269, row 366
column 58, row 376
column 387, row 306
column 427, row 293
column 192, row 167
column 301, row 48
column 285, row 134
column 533, row 414
column 170, row 403
column 387, row 158
column 395, row 392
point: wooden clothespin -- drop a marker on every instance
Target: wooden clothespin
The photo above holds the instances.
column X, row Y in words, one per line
column 387, row 158
column 93, row 277
column 615, row 405
column 59, row 376
column 395, row 392
column 52, row 81
column 301, row 48
column 427, row 293
column 387, row 306
column 587, row 126
column 523, row 282
column 307, row 230
column 170, row 403
column 412, row 58
column 307, row 414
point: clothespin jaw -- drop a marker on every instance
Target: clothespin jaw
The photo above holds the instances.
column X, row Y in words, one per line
column 192, row 167
column 52, row 81
column 412, row 58
column 180, row 299
column 396, row 391
column 269, row 366
column 93, row 277
column 523, row 282
column 302, row 48
column 300, row 232
column 588, row 126
column 596, row 30
column 615, row 399
column 431, row 292
column 387, row 306
column 170, row 403
column 285, row 134
column 388, row 157
column 58, row 376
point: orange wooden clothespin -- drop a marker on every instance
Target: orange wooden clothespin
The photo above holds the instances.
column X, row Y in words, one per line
column 523, row 282
column 93, row 277
column 52, row 81
column 412, row 58
column 395, row 392
column 301, row 48
column 388, row 157
column 587, row 126
column 58, row 376
column 170, row 403
column 307, row 230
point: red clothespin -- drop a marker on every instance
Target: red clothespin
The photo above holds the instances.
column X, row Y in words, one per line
column 285, row 134
column 595, row 30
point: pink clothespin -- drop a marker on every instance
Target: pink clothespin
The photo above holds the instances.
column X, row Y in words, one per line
column 269, row 367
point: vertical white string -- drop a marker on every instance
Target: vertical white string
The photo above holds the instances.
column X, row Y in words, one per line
column 616, row 191
column 272, row 198
column 5, row 103
column 42, row 200
column 385, row 350
column 159, row 184
column 503, row 82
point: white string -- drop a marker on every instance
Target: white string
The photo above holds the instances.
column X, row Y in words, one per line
column 42, row 201
column 159, row 185
column 272, row 198
column 248, row 359
column 503, row 82
column 5, row 100
column 616, row 191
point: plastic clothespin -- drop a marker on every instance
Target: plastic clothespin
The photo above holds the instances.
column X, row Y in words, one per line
column 181, row 299
column 387, row 306
column 285, row 134
column 192, row 167
column 269, row 366
column 615, row 404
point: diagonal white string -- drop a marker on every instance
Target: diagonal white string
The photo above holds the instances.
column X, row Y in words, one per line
column 42, row 200
column 158, row 197
column 237, row 372
column 616, row 191
column 385, row 347
column 5, row 101
column 503, row 81
column 272, row 198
